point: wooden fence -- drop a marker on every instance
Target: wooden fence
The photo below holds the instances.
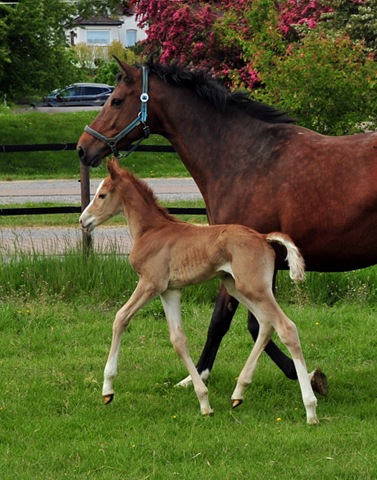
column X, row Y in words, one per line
column 85, row 179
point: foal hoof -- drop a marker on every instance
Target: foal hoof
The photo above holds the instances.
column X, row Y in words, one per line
column 236, row 403
column 108, row 398
column 318, row 381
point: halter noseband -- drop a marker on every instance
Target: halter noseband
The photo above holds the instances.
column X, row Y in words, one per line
column 140, row 120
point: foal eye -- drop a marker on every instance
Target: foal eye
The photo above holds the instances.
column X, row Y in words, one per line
column 115, row 102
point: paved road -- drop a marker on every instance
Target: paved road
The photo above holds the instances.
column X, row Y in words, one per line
column 68, row 191
column 57, row 240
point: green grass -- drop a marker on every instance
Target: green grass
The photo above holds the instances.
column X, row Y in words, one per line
column 40, row 128
column 55, row 321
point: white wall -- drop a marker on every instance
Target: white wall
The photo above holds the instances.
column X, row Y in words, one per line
column 118, row 33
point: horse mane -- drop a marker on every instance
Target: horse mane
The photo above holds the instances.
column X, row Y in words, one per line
column 147, row 193
column 211, row 90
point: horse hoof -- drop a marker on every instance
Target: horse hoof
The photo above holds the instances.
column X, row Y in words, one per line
column 236, row 403
column 313, row 421
column 108, row 398
column 319, row 382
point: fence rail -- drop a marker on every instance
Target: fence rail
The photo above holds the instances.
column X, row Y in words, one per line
column 61, row 147
column 85, row 179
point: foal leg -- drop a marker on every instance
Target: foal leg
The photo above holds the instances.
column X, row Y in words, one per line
column 225, row 309
column 272, row 317
column 171, row 301
column 317, row 377
column 143, row 293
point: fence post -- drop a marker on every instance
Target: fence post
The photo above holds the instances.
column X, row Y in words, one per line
column 85, row 200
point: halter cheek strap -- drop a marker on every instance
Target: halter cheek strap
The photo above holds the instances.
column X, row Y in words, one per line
column 139, row 120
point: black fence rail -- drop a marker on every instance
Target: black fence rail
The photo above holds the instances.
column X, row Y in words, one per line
column 61, row 147
column 85, row 179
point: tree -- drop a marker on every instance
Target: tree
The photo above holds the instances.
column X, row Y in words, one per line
column 34, row 53
column 355, row 18
column 36, row 58
column 326, row 82
column 213, row 34
column 315, row 59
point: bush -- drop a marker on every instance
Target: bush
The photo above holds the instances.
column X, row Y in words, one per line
column 326, row 82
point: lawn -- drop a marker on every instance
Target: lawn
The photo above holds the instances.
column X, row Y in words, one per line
column 42, row 128
column 56, row 314
column 55, row 322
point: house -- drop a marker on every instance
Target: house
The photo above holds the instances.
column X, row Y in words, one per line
column 102, row 31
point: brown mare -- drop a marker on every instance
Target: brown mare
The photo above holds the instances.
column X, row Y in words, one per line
column 169, row 255
column 254, row 168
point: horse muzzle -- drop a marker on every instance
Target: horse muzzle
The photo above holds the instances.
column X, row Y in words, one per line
column 90, row 156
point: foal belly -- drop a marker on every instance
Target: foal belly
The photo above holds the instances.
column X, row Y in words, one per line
column 192, row 268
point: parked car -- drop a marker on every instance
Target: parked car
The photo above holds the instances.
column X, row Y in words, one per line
column 79, row 94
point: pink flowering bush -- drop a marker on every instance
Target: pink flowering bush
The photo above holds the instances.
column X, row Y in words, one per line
column 213, row 34
column 314, row 58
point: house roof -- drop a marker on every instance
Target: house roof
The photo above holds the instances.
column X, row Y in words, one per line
column 97, row 21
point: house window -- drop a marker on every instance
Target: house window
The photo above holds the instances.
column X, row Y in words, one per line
column 98, row 37
column 130, row 38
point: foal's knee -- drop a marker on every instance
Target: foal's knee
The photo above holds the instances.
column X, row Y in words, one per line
column 179, row 340
column 121, row 321
column 289, row 335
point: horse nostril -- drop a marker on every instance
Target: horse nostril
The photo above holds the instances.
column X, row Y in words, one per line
column 81, row 152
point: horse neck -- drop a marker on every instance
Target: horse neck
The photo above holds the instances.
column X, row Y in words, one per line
column 140, row 209
column 200, row 134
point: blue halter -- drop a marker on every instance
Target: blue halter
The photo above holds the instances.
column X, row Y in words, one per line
column 140, row 120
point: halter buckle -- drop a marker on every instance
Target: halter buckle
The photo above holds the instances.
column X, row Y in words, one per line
column 144, row 97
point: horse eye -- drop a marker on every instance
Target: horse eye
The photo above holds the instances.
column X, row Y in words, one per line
column 102, row 195
column 115, row 102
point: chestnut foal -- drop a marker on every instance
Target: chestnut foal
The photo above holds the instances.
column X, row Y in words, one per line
column 169, row 254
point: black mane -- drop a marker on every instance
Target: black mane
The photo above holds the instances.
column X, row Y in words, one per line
column 211, row 90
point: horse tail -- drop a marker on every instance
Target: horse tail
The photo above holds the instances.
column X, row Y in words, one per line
column 295, row 260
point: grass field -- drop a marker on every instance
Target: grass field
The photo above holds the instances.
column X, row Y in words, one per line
column 56, row 314
column 42, row 128
column 55, row 323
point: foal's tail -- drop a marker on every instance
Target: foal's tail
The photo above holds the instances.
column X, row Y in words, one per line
column 295, row 260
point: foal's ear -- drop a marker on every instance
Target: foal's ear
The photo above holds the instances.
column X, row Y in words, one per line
column 112, row 167
column 127, row 70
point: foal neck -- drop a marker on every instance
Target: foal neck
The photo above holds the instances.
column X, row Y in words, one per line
column 141, row 207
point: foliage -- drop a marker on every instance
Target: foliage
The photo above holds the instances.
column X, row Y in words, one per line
column 39, row 59
column 108, row 69
column 211, row 34
column 326, row 82
column 356, row 19
column 34, row 53
column 275, row 49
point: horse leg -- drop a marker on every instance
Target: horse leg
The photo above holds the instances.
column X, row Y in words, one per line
column 317, row 377
column 143, row 293
column 171, row 301
column 225, row 309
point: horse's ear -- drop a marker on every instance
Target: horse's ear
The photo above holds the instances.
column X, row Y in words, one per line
column 127, row 70
column 112, row 167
